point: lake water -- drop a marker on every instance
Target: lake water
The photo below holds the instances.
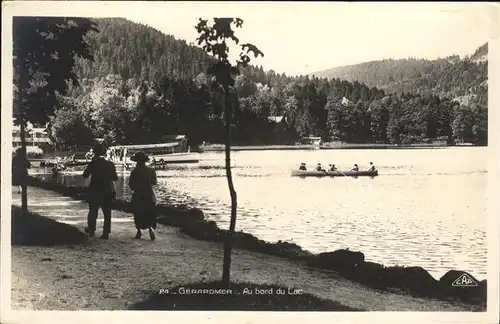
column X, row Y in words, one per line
column 428, row 207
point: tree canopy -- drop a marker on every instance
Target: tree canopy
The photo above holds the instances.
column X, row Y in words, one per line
column 213, row 39
column 449, row 77
column 177, row 96
column 45, row 50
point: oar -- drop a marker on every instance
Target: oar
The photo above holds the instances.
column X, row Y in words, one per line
column 342, row 173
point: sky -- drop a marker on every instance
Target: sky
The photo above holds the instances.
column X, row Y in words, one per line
column 306, row 37
column 301, row 38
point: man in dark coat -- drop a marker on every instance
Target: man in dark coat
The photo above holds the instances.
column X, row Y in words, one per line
column 101, row 190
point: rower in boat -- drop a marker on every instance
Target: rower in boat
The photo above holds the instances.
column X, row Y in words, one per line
column 332, row 168
column 319, row 167
column 356, row 168
column 372, row 168
column 302, row 167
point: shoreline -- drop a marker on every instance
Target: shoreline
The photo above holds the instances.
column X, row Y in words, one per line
column 62, row 281
column 341, row 146
column 351, row 265
column 109, row 274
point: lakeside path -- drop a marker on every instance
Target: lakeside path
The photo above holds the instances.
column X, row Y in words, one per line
column 116, row 273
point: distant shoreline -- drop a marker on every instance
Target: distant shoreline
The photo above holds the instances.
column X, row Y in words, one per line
column 220, row 147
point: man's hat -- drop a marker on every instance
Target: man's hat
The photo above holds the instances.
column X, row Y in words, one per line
column 98, row 149
column 139, row 157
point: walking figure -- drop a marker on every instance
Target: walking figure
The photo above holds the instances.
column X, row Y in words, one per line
column 101, row 190
column 20, row 166
column 142, row 179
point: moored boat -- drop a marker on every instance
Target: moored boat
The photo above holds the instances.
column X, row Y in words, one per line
column 159, row 154
column 66, row 163
column 312, row 173
column 76, row 163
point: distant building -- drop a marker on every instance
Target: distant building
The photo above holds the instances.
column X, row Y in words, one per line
column 311, row 140
column 100, row 140
column 345, row 101
column 281, row 134
column 180, row 140
column 438, row 141
column 277, row 119
column 464, row 100
column 441, row 140
column 35, row 136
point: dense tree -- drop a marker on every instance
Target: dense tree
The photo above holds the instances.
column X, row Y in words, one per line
column 139, row 52
column 167, row 91
column 450, row 77
column 44, row 52
column 70, row 126
column 213, row 39
column 378, row 109
column 480, row 127
column 463, row 123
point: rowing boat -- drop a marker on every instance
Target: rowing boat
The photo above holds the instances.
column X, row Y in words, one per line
column 301, row 173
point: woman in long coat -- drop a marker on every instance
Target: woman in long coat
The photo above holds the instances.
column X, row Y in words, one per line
column 20, row 166
column 142, row 179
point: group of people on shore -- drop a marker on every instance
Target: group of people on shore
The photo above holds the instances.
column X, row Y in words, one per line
column 60, row 165
column 332, row 167
column 101, row 192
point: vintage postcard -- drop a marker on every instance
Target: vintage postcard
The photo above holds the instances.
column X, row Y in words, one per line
column 250, row 162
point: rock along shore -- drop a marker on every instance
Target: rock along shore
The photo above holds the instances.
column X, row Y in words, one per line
column 349, row 264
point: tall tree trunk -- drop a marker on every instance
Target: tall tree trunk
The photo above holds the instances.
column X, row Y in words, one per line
column 228, row 245
column 24, row 191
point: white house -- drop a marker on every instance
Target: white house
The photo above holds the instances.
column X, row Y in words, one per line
column 345, row 101
column 35, row 136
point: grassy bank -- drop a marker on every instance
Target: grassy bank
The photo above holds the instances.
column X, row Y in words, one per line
column 349, row 264
column 241, row 296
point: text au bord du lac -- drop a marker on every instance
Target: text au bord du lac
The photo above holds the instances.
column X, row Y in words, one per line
column 245, row 291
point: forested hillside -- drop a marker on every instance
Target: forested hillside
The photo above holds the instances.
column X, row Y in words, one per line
column 139, row 52
column 144, row 85
column 449, row 77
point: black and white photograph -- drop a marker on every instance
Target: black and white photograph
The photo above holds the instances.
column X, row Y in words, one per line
column 291, row 159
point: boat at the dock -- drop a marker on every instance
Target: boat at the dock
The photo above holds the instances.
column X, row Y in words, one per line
column 313, row 173
column 159, row 154
column 66, row 163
